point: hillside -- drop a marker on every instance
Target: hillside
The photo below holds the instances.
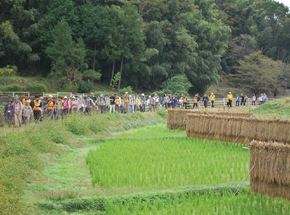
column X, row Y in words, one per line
column 150, row 45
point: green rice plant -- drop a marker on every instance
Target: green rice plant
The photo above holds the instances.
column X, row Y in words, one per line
column 211, row 203
column 160, row 163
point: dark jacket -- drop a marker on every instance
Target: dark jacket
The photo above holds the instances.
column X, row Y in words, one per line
column 8, row 109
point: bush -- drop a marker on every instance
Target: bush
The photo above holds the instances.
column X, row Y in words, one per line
column 124, row 90
column 84, row 87
column 98, row 93
column 36, row 88
column 14, row 88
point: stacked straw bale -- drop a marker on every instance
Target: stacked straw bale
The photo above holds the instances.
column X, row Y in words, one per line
column 271, row 173
column 226, row 128
column 176, row 117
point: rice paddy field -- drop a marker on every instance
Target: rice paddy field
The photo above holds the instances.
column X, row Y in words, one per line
column 161, row 163
column 148, row 170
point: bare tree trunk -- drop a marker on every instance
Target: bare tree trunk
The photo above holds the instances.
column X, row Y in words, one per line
column 94, row 62
column 113, row 71
column 121, row 69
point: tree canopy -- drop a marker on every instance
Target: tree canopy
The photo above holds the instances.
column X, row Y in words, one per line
column 151, row 43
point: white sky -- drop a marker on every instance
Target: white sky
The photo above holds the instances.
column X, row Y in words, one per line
column 285, row 2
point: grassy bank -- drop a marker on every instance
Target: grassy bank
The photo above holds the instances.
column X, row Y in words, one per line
column 26, row 152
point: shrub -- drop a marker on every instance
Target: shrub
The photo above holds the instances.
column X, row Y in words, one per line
column 84, row 87
column 124, row 90
column 36, row 88
column 14, row 88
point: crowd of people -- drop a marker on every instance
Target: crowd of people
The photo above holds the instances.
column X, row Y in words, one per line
column 22, row 112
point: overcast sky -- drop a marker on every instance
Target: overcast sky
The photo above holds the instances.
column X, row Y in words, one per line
column 285, row 2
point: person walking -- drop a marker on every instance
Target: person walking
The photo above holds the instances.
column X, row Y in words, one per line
column 50, row 107
column 254, row 100
column 117, row 104
column 174, row 101
column 112, row 103
column 149, row 103
column 198, row 100
column 237, row 101
column 170, row 104
column 228, row 101
column 184, row 102
column 260, row 99
column 65, row 105
column 231, row 98
column 156, row 100
column 246, row 100
column 59, row 109
column 74, row 105
column 265, row 98
column 102, row 104
column 242, row 100
column 25, row 99
column 161, row 103
column 212, row 99
column 166, row 101
column 122, row 104
column 195, row 102
column 143, row 102
column 27, row 113
column 137, row 102
column 37, row 108
column 205, row 100
column 17, row 105
column 8, row 113
column 126, row 103
column 152, row 103
column 131, row 104
column 180, row 102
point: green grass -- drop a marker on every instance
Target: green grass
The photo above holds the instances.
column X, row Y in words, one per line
column 159, row 131
column 163, row 163
column 276, row 109
column 26, row 152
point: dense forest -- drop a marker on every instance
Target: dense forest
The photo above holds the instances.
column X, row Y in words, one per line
column 147, row 44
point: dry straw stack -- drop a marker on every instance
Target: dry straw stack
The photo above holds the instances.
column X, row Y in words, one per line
column 226, row 128
column 178, row 117
column 271, row 173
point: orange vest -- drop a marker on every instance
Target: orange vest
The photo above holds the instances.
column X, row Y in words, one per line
column 195, row 100
column 117, row 101
column 184, row 100
column 50, row 105
column 37, row 108
column 126, row 99
column 24, row 101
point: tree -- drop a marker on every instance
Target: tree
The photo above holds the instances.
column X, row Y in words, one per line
column 177, row 84
column 258, row 72
column 68, row 57
column 97, row 27
column 133, row 42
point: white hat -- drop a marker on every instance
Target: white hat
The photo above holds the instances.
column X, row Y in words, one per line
column 126, row 93
column 211, row 93
column 27, row 101
column 65, row 97
column 149, row 96
column 142, row 94
column 50, row 96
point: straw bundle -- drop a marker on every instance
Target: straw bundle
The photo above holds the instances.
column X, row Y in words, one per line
column 271, row 174
column 226, row 128
column 176, row 117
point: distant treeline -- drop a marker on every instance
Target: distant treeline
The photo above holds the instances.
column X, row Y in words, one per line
column 146, row 44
